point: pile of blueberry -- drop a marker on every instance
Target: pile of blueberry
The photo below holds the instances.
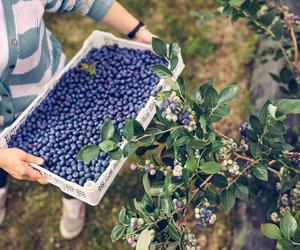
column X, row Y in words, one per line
column 72, row 113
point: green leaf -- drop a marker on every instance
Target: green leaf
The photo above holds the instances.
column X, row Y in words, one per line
column 129, row 148
column 260, row 172
column 196, row 144
column 218, row 113
column 117, row 232
column 165, row 205
column 255, row 150
column 148, row 140
column 297, row 217
column 267, row 18
column 236, row 2
column 159, row 47
column 117, row 135
column 174, row 49
column 211, row 97
column 191, row 164
column 88, row 153
column 138, row 128
column 108, row 145
column 296, row 236
column 288, row 225
column 195, row 95
column 146, row 184
column 173, row 232
column 219, row 181
column 278, row 30
column 144, row 240
column 286, row 244
column 107, row 131
column 138, row 206
column 162, row 71
column 122, row 215
column 128, row 131
column 116, row 154
column 228, row 199
column 174, row 62
column 289, row 106
column 229, row 93
column 256, row 124
column 167, row 184
column 242, row 192
column 271, row 231
column 211, row 167
column 275, row 77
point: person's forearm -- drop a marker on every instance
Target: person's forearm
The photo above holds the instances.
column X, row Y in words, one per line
column 120, row 19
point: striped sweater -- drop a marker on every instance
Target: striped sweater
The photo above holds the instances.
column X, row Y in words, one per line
column 35, row 54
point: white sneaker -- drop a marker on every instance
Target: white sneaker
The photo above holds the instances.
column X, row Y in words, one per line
column 73, row 218
column 3, row 198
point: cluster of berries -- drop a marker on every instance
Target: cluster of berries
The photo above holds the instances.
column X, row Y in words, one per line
column 148, row 167
column 179, row 205
column 295, row 160
column 291, row 17
column 231, row 166
column 136, row 222
column 173, row 111
column 228, row 147
column 177, row 171
column 243, row 145
column 70, row 116
column 244, row 130
column 152, row 169
column 191, row 242
column 204, row 215
column 288, row 202
column 132, row 240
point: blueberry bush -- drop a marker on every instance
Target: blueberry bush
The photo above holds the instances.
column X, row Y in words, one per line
column 276, row 21
column 197, row 167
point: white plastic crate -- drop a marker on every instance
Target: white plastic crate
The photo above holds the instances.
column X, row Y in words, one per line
column 91, row 192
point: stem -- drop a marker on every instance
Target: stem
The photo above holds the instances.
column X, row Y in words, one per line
column 244, row 170
column 158, row 133
column 295, row 44
column 289, row 168
column 238, row 156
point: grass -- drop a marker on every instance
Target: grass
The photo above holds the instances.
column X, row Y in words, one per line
column 216, row 50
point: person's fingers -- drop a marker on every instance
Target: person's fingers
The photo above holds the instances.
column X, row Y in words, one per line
column 36, row 175
column 43, row 181
column 33, row 159
column 26, row 172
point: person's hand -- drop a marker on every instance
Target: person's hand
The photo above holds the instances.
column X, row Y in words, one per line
column 144, row 36
column 16, row 163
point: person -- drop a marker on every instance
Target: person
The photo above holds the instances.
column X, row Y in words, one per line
column 30, row 56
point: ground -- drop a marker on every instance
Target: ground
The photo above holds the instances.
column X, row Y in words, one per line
column 220, row 50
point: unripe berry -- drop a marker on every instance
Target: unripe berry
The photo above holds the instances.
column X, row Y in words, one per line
column 133, row 166
column 141, row 221
column 152, row 172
